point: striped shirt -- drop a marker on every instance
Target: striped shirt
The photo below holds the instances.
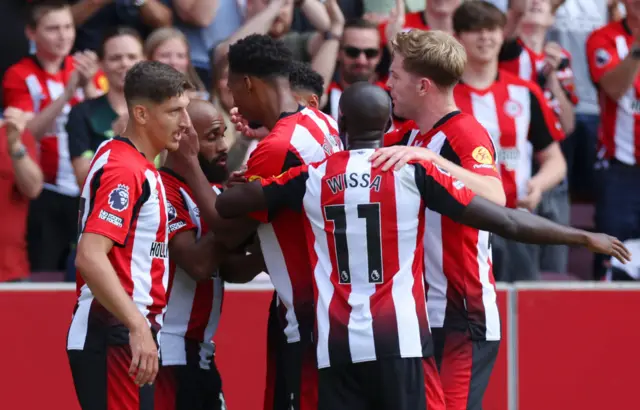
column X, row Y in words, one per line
column 303, row 137
column 364, row 232
column 123, row 199
column 193, row 308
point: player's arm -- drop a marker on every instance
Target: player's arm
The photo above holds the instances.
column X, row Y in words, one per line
column 484, row 181
column 199, row 258
column 451, row 198
column 243, row 265
column 105, row 227
column 608, row 72
column 261, row 199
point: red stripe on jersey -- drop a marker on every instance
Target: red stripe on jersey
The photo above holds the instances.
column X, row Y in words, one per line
column 339, row 309
column 383, row 310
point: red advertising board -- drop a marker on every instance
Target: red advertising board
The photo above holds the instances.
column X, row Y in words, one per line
column 575, row 346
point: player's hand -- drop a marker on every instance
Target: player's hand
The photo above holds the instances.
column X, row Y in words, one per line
column 399, row 156
column 237, row 177
column 144, row 355
column 16, row 122
column 242, row 126
column 86, row 64
column 533, row 198
column 608, row 245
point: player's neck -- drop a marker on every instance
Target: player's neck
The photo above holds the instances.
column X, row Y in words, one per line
column 117, row 101
column 433, row 110
column 49, row 63
column 365, row 144
column 480, row 75
column 283, row 101
column 439, row 21
column 141, row 141
column 534, row 37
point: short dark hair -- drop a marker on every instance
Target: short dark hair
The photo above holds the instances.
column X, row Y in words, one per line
column 477, row 15
column 118, row 31
column 154, row 81
column 260, row 56
column 39, row 8
column 360, row 23
column 303, row 77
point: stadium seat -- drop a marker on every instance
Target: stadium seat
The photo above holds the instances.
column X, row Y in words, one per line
column 47, row 276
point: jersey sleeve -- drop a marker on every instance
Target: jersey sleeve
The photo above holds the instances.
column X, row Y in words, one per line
column 115, row 194
column 544, row 127
column 177, row 210
column 283, row 191
column 271, row 158
column 602, row 54
column 475, row 150
column 440, row 191
column 15, row 91
column 78, row 131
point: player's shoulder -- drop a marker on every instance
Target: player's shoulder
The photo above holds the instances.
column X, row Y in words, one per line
column 171, row 180
column 510, row 79
column 119, row 155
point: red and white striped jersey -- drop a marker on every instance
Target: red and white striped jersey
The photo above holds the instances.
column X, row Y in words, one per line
column 515, row 113
column 124, row 200
column 520, row 60
column 461, row 291
column 27, row 86
column 364, row 229
column 619, row 136
column 193, row 308
column 303, row 137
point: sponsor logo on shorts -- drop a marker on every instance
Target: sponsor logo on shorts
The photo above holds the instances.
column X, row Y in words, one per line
column 159, row 250
column 111, row 218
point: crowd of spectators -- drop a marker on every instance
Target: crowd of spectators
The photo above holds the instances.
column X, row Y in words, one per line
column 63, row 67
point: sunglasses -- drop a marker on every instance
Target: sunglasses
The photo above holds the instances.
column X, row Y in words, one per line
column 354, row 52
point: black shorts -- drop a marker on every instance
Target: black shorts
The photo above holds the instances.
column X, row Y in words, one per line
column 292, row 371
column 194, row 386
column 52, row 226
column 387, row 384
column 102, row 381
column 465, row 367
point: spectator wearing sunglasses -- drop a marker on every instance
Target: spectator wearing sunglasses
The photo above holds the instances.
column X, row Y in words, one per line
column 357, row 60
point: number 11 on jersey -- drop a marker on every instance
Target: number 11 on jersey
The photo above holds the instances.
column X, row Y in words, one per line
column 371, row 214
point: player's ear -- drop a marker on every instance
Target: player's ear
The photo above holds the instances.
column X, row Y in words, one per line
column 140, row 114
column 423, row 86
column 248, row 83
column 314, row 101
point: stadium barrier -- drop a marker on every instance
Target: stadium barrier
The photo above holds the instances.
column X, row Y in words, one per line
column 565, row 346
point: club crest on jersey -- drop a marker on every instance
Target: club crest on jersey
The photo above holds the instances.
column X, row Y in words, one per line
column 602, row 57
column 171, row 212
column 512, row 108
column 119, row 198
